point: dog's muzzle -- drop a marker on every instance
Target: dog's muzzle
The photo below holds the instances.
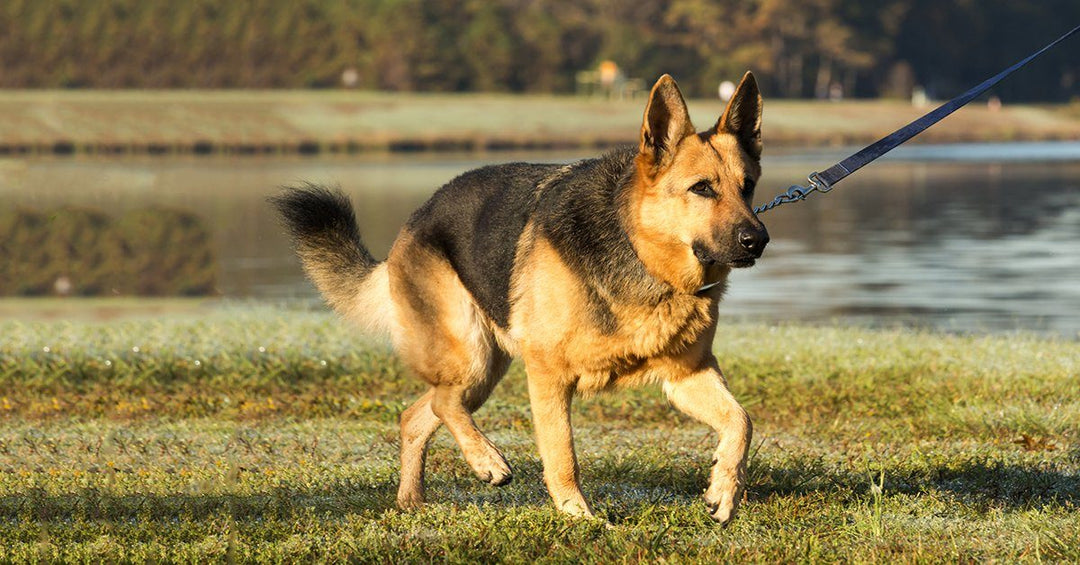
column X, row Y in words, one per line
column 709, row 258
column 753, row 239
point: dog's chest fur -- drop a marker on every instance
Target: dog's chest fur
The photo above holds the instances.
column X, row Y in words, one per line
column 566, row 326
column 648, row 334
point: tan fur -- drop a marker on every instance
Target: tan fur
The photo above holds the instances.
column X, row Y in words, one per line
column 667, row 219
column 372, row 308
column 549, row 326
column 445, row 338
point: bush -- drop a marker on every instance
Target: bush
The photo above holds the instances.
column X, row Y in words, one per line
column 24, row 271
column 82, row 251
column 169, row 252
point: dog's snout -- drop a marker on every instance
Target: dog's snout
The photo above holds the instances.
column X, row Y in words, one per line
column 753, row 239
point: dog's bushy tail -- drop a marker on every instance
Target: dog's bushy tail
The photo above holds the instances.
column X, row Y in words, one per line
column 327, row 239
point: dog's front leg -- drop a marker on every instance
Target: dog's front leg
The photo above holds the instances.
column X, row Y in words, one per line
column 704, row 396
column 550, row 397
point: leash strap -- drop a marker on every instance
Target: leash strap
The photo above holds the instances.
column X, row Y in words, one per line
column 824, row 181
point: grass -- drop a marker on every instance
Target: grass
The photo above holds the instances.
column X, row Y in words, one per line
column 338, row 121
column 269, row 434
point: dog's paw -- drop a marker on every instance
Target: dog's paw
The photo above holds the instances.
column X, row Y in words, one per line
column 410, row 501
column 722, row 513
column 721, row 504
column 494, row 470
column 576, row 508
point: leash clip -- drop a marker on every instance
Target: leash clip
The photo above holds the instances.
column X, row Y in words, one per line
column 817, row 183
column 796, row 192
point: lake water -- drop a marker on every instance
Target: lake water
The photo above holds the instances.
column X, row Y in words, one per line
column 970, row 238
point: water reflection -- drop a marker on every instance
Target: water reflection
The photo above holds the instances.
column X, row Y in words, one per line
column 961, row 246
column 952, row 238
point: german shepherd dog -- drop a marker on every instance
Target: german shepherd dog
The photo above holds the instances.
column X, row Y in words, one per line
column 600, row 274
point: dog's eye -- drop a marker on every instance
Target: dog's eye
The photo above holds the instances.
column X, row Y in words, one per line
column 748, row 186
column 703, row 188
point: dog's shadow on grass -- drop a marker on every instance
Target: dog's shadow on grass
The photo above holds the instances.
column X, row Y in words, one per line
column 981, row 483
column 970, row 482
column 339, row 498
column 630, row 486
column 617, row 487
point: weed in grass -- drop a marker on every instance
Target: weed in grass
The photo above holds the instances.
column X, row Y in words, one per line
column 877, row 494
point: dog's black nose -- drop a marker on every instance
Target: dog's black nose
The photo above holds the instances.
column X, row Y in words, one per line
column 753, row 239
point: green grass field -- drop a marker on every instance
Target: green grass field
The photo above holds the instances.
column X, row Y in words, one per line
column 269, row 434
column 290, row 121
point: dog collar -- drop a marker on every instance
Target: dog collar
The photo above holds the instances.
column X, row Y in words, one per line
column 705, row 287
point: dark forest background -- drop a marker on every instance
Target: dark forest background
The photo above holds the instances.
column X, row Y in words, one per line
column 798, row 48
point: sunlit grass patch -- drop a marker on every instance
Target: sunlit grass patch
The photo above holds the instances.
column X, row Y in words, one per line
column 877, row 445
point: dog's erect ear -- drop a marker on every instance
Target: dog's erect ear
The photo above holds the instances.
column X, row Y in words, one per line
column 666, row 123
column 743, row 115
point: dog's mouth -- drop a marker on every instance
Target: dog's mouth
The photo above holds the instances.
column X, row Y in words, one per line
column 708, row 258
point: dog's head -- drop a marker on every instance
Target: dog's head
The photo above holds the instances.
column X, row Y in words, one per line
column 690, row 214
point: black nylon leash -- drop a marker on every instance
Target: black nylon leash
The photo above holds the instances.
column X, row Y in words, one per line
column 824, row 181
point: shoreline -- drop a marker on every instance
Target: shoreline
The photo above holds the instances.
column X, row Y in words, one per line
column 307, row 123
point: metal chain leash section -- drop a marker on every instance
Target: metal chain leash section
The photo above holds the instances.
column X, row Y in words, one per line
column 795, row 193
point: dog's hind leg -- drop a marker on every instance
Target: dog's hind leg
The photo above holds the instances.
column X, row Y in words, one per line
column 418, row 423
column 704, row 396
column 445, row 339
column 454, row 405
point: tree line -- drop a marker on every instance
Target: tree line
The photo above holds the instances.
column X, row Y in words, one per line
column 798, row 48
